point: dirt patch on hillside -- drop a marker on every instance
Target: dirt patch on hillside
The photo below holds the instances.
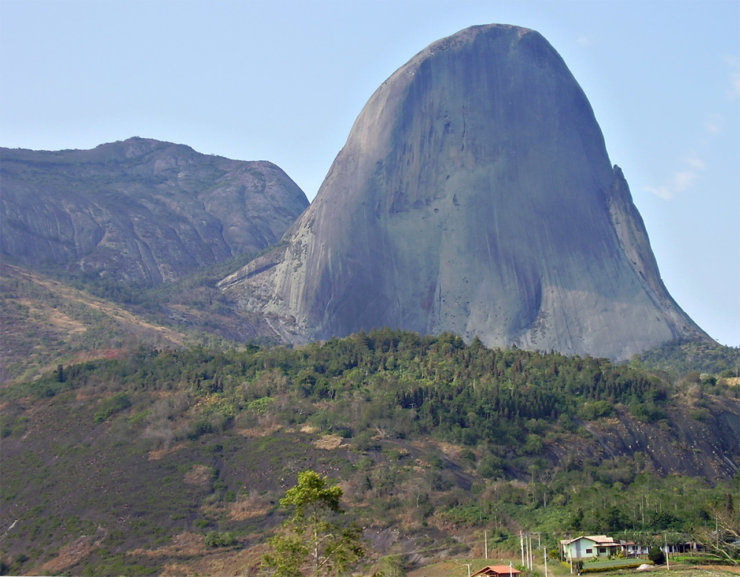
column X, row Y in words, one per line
column 450, row 450
column 159, row 453
column 113, row 311
column 328, row 442
column 72, row 553
column 55, row 318
column 218, row 564
column 183, row 546
column 252, row 505
column 256, row 432
column 245, row 507
column 200, row 476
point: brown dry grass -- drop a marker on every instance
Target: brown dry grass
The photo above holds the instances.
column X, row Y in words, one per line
column 111, row 310
column 257, row 432
column 246, row 507
column 328, row 442
column 218, row 564
column 54, row 317
column 54, row 326
column 72, row 553
column 184, row 545
column 156, row 455
column 200, row 476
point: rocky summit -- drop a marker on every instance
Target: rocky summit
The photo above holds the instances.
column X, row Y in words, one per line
column 140, row 210
column 474, row 195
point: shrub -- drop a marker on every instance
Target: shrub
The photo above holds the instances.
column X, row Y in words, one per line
column 217, row 539
column 491, row 467
column 199, row 428
column 656, row 556
column 115, row 404
column 533, row 445
column 647, row 412
column 596, row 409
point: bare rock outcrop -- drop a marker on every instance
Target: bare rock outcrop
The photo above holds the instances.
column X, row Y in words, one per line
column 140, row 210
column 474, row 195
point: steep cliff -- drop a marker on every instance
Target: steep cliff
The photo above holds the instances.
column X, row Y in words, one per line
column 140, row 210
column 474, row 195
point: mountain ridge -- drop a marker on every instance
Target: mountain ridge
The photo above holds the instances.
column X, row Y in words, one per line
column 139, row 210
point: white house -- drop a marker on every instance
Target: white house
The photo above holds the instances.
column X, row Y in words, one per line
column 588, row 547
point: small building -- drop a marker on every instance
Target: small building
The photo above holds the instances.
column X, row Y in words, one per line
column 632, row 549
column 589, row 547
column 682, row 547
column 497, row 571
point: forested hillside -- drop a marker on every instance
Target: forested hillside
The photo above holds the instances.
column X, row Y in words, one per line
column 432, row 441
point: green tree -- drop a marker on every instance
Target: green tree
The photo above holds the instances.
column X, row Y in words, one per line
column 656, row 555
column 313, row 540
column 390, row 566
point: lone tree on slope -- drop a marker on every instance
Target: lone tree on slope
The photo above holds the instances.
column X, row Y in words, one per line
column 313, row 541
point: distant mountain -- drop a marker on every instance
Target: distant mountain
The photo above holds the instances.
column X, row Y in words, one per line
column 139, row 211
column 475, row 196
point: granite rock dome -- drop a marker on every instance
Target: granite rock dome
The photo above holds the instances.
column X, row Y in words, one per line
column 474, row 195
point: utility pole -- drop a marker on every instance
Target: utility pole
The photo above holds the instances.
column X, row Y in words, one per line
column 667, row 562
column 531, row 554
column 521, row 545
column 544, row 552
column 716, row 530
column 485, row 543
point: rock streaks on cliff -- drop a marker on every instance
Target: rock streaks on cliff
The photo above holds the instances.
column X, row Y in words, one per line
column 474, row 195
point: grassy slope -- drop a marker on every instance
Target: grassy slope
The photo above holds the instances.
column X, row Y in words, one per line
column 46, row 322
column 127, row 464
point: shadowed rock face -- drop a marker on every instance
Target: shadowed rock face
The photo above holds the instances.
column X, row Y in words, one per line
column 474, row 195
column 140, row 210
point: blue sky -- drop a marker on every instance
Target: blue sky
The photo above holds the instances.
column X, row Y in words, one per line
column 283, row 80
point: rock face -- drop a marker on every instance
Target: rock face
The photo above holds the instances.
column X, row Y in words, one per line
column 474, row 195
column 140, row 210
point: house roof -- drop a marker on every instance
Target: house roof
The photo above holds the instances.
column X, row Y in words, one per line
column 497, row 570
column 602, row 540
